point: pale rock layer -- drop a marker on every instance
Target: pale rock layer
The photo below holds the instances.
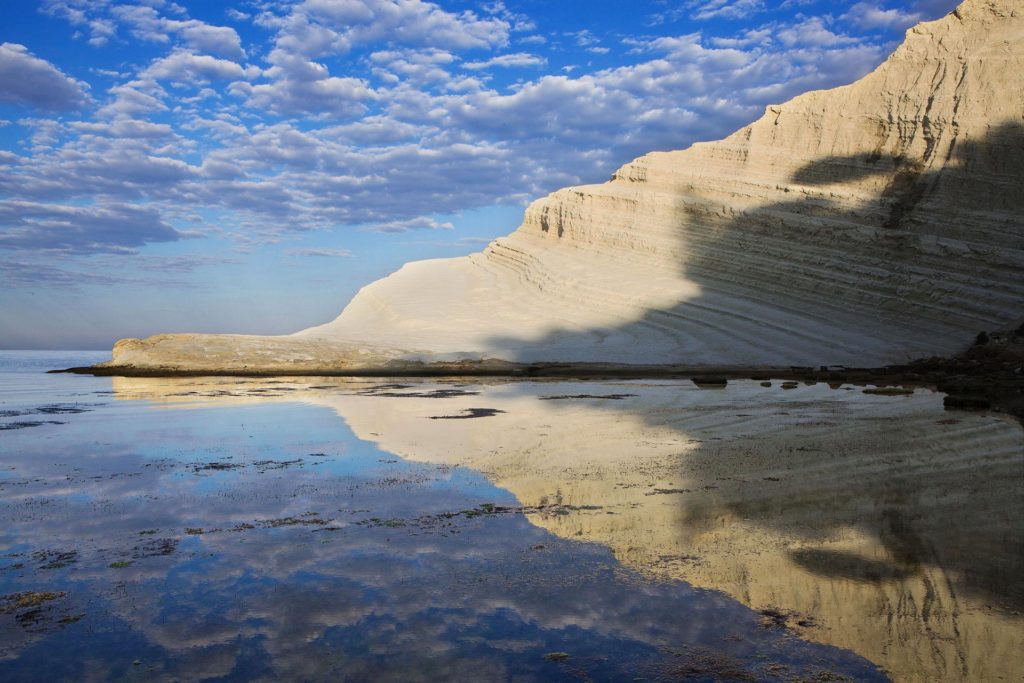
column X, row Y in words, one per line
column 865, row 225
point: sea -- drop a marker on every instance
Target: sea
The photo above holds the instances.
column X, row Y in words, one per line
column 382, row 529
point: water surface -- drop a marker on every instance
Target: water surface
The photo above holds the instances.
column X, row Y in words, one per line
column 324, row 529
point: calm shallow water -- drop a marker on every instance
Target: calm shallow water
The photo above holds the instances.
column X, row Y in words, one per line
column 326, row 529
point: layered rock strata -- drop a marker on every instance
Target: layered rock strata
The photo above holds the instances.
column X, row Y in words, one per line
column 864, row 225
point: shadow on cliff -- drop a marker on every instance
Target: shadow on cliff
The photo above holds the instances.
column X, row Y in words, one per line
column 912, row 207
column 811, row 281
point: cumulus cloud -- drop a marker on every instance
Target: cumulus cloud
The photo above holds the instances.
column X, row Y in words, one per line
column 181, row 264
column 423, row 67
column 588, row 41
column 319, row 252
column 422, row 144
column 517, row 20
column 376, row 131
column 223, row 126
column 144, row 21
column 409, row 22
column 147, row 24
column 870, row 15
column 71, row 270
column 80, row 229
column 100, row 30
column 341, row 96
column 813, row 32
column 134, row 98
column 513, row 60
column 45, row 135
column 419, row 223
column 407, row 126
column 759, row 37
column 123, row 128
column 219, row 40
column 31, row 273
column 724, row 9
column 94, row 166
column 187, row 67
column 315, row 29
column 28, row 80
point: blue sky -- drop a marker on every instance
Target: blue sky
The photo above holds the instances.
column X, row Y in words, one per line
column 247, row 166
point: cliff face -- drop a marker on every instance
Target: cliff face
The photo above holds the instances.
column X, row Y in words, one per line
column 864, row 225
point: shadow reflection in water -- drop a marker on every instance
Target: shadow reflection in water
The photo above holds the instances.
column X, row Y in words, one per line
column 882, row 524
column 256, row 538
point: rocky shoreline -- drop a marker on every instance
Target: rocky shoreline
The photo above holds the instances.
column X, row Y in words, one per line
column 988, row 375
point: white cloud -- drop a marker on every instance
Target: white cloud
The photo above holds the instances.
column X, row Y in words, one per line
column 410, row 22
column 80, row 229
column 812, row 32
column 376, row 131
column 220, row 127
column 98, row 167
column 870, row 15
column 315, row 29
column 517, row 20
column 46, row 133
column 123, row 128
column 513, row 60
column 588, row 41
column 415, row 146
column 319, row 252
column 134, row 98
column 147, row 24
column 100, row 32
column 420, row 66
column 342, row 97
column 31, row 273
column 324, row 136
column 584, row 38
column 110, row 73
column 76, row 13
column 186, row 67
column 28, row 80
column 761, row 36
column 218, row 40
column 725, row 9
column 418, row 223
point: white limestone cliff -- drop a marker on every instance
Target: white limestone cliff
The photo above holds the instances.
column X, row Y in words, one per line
column 865, row 225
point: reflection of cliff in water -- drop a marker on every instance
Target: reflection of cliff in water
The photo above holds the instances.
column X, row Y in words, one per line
column 881, row 524
column 266, row 542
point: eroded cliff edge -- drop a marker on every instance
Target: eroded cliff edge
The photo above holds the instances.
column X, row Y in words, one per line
column 865, row 225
